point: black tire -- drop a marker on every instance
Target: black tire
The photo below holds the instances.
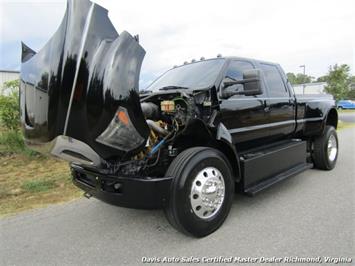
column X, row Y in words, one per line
column 320, row 156
column 185, row 167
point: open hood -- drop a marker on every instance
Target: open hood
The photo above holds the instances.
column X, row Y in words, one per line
column 82, row 88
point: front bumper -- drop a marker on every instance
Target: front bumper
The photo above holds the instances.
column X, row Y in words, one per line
column 131, row 192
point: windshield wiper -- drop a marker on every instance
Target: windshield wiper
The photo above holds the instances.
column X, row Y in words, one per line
column 144, row 92
column 173, row 88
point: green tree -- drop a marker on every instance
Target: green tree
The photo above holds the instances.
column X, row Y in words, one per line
column 351, row 93
column 322, row 79
column 299, row 78
column 339, row 80
column 291, row 77
column 9, row 102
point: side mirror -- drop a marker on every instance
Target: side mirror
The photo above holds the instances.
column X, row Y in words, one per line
column 251, row 83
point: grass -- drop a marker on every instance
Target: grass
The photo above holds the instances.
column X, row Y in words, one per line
column 29, row 180
column 342, row 125
column 11, row 142
column 34, row 186
column 346, row 110
column 32, row 182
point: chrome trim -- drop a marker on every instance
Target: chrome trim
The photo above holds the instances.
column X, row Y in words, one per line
column 243, row 129
column 262, row 126
column 312, row 119
column 277, row 98
column 207, row 193
column 332, row 148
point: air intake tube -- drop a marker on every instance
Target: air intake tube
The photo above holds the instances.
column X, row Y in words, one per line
column 150, row 110
column 153, row 126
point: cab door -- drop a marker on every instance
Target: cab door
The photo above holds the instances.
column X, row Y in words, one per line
column 281, row 106
column 244, row 116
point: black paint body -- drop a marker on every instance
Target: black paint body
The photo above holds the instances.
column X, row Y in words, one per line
column 252, row 120
column 75, row 84
column 108, row 74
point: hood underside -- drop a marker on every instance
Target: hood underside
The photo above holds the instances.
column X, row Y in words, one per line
column 83, row 84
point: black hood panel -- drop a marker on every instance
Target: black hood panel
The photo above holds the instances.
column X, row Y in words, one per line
column 74, row 85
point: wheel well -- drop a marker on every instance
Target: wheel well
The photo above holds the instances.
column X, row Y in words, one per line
column 231, row 156
column 332, row 118
column 198, row 135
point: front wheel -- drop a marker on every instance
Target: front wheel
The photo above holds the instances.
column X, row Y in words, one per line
column 202, row 191
column 325, row 149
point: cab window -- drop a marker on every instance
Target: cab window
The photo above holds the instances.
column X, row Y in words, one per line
column 274, row 81
column 235, row 72
column 236, row 68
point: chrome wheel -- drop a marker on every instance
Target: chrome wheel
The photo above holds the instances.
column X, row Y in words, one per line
column 207, row 192
column 332, row 148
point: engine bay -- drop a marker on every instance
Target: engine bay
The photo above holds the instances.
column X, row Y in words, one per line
column 167, row 115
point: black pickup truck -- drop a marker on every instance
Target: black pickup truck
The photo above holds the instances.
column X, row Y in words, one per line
column 197, row 134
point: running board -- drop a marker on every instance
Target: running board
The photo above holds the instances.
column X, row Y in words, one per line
column 273, row 180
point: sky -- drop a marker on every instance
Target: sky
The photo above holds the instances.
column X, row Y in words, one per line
column 316, row 33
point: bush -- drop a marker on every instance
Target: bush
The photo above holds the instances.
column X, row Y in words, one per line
column 10, row 109
column 12, row 140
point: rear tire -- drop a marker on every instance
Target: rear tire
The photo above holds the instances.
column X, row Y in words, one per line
column 201, row 192
column 325, row 149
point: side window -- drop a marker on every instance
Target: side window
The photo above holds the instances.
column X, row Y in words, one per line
column 236, row 68
column 235, row 72
column 274, row 81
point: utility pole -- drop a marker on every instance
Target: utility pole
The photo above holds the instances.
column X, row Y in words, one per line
column 304, row 74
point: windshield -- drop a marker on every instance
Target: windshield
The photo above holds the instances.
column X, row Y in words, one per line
column 197, row 75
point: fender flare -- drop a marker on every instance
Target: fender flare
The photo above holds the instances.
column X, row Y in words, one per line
column 215, row 137
column 331, row 118
column 225, row 143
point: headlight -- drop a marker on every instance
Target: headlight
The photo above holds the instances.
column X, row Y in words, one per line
column 121, row 134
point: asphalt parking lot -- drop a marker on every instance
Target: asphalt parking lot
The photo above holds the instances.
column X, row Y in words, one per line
column 348, row 117
column 309, row 215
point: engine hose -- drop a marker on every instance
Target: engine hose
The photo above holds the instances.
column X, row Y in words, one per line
column 153, row 126
column 160, row 144
column 156, row 147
